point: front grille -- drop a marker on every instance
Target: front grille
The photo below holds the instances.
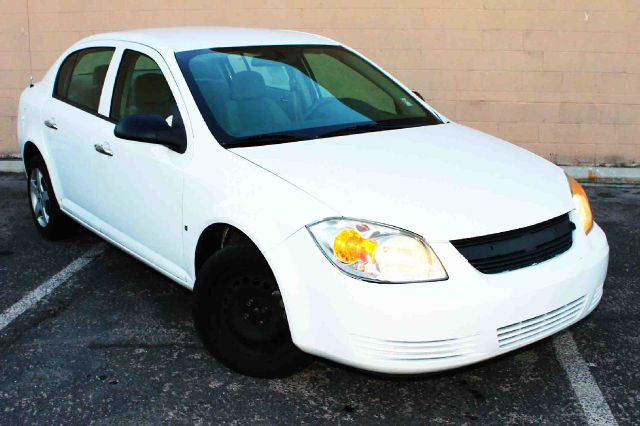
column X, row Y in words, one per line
column 434, row 350
column 491, row 254
column 538, row 327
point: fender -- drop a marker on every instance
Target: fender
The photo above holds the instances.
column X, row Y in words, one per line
column 263, row 232
column 262, row 205
column 295, row 303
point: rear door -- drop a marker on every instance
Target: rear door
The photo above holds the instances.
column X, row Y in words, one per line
column 142, row 183
column 72, row 122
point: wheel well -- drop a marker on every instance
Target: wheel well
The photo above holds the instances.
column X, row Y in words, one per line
column 215, row 237
column 30, row 150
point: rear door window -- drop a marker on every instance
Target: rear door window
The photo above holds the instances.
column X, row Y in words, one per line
column 81, row 77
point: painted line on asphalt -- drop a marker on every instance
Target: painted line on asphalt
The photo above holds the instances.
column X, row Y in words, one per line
column 594, row 406
column 49, row 285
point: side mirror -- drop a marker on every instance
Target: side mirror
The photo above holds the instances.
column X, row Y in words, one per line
column 151, row 128
column 415, row 92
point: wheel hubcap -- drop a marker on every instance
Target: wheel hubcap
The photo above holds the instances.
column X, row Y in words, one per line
column 39, row 195
column 255, row 312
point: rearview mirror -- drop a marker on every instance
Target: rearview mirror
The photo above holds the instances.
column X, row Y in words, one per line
column 151, row 128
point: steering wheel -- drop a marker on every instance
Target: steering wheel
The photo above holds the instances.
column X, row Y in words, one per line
column 318, row 106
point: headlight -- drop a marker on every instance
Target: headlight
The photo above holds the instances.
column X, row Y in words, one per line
column 583, row 209
column 378, row 253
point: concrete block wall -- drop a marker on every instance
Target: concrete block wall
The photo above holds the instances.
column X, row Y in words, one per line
column 560, row 78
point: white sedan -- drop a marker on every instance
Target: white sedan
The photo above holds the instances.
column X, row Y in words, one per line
column 313, row 203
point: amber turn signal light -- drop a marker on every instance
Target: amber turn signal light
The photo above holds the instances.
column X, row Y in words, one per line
column 583, row 209
column 349, row 247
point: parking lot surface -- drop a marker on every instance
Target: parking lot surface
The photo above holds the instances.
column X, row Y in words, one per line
column 114, row 343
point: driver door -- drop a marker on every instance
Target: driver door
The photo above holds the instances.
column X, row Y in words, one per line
column 142, row 182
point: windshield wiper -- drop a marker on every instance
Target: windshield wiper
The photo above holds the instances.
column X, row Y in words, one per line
column 263, row 139
column 276, row 138
column 362, row 128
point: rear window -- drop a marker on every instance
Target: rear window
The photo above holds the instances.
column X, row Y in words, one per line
column 81, row 77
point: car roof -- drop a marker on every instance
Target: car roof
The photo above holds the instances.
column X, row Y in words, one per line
column 190, row 38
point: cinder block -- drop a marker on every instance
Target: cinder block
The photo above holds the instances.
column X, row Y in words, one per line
column 14, row 61
column 588, row 113
column 598, row 133
column 584, row 61
column 14, row 22
column 632, row 63
column 8, row 107
column 13, row 6
column 629, row 134
column 559, row 133
column 14, row 79
column 568, row 154
column 483, row 126
column 567, row 41
column 8, row 139
column 519, row 132
column 17, row 41
column 613, row 154
column 502, row 40
column 544, row 150
column 57, row 41
column 628, row 114
column 542, row 81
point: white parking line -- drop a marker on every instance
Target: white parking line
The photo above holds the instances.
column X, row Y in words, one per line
column 49, row 285
column 589, row 395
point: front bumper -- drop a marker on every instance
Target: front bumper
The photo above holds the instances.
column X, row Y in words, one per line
column 425, row 327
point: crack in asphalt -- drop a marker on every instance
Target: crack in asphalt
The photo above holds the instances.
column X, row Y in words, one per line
column 140, row 345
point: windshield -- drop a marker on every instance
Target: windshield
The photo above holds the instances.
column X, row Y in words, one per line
column 275, row 94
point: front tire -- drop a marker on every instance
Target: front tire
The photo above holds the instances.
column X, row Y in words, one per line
column 49, row 220
column 240, row 316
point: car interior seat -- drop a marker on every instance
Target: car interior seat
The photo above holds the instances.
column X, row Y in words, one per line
column 152, row 95
column 249, row 110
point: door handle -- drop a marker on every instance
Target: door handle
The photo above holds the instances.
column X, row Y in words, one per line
column 102, row 150
column 51, row 124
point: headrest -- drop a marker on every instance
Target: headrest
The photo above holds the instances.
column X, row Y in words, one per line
column 208, row 65
column 263, row 62
column 247, row 85
column 213, row 89
column 99, row 74
column 151, row 88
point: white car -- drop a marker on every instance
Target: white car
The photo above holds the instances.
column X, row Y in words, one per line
column 313, row 203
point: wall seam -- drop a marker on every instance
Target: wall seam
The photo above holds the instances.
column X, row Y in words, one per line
column 29, row 43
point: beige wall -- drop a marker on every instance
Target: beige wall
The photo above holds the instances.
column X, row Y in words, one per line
column 558, row 77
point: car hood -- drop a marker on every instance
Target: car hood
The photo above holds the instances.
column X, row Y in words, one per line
column 444, row 182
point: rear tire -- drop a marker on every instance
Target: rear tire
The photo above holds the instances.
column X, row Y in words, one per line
column 240, row 316
column 49, row 220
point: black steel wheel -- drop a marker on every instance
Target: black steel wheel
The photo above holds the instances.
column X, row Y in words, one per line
column 240, row 315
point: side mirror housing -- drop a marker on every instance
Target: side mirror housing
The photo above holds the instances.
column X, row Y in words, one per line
column 151, row 128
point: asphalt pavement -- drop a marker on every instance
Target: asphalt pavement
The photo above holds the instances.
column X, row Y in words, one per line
column 113, row 343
